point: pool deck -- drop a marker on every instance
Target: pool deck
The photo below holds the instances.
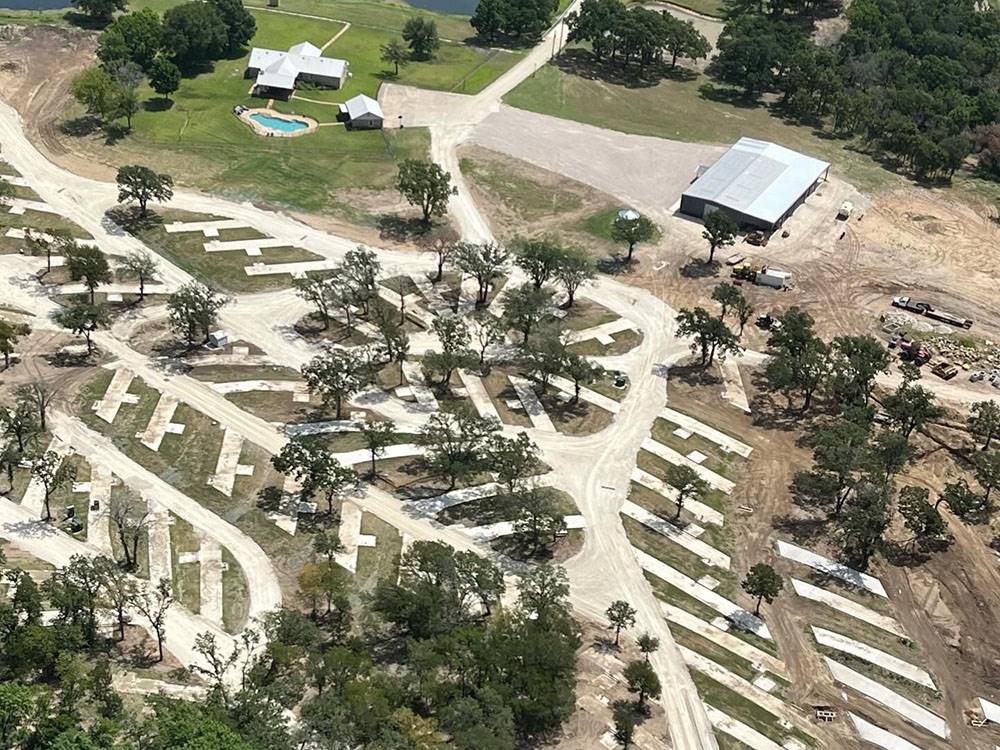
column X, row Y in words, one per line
column 263, row 130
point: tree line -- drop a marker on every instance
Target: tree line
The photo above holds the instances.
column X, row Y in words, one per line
column 635, row 34
column 429, row 661
column 142, row 45
column 914, row 79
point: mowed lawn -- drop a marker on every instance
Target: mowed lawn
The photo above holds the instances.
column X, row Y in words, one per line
column 677, row 109
column 203, row 144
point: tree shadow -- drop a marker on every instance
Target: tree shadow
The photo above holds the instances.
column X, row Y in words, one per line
column 695, row 375
column 79, row 127
column 729, row 95
column 83, row 21
column 914, row 555
column 801, row 530
column 131, row 218
column 615, row 264
column 158, row 104
column 402, row 228
column 583, row 64
column 69, row 359
column 698, row 269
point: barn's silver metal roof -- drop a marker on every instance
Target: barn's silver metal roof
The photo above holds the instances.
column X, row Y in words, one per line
column 362, row 105
column 758, row 178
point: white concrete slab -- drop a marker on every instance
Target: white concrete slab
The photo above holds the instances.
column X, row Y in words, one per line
column 704, row 551
column 294, row 268
column 351, row 536
column 208, row 228
column 159, row 423
column 722, row 637
column 831, row 568
column 228, row 464
column 879, row 737
column 414, row 374
column 706, row 431
column 586, row 394
column 435, row 301
column 107, row 408
column 98, row 519
column 33, row 498
column 478, row 394
column 431, row 506
column 158, row 534
column 697, row 457
column 210, row 579
column 250, row 247
column 489, row 532
column 873, row 655
column 604, row 332
column 363, row 455
column 298, row 388
column 682, row 433
column 876, row 691
column 991, row 711
column 532, row 406
column 704, row 513
column 669, row 455
column 733, row 389
column 744, row 619
column 740, row 731
column 848, row 607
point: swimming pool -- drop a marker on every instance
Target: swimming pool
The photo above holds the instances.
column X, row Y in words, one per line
column 279, row 123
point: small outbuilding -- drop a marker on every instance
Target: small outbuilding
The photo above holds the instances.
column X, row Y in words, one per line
column 759, row 184
column 362, row 113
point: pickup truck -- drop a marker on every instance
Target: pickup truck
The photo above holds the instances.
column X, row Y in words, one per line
column 911, row 305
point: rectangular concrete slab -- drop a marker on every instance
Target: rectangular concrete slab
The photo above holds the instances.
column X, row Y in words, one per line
column 746, row 620
column 704, row 513
column 740, row 731
column 874, row 656
column 830, row 567
column 879, row 737
column 532, row 405
column 210, row 579
column 876, row 691
column 669, row 455
column 224, row 477
column 159, row 422
column 848, row 607
column 107, row 408
column 418, row 386
column 478, row 394
column 99, row 519
column 705, row 551
column 586, row 394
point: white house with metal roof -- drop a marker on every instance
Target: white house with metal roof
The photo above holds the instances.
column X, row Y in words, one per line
column 759, row 184
column 278, row 72
column 362, row 112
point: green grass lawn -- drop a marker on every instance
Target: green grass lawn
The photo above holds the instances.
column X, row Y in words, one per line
column 201, row 143
column 39, row 220
column 221, row 269
column 677, row 109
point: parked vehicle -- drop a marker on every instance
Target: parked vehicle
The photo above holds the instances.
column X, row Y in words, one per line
column 977, row 376
column 911, row 305
column 844, row 212
column 767, row 322
column 945, row 370
column 946, row 317
column 773, row 277
column 915, row 352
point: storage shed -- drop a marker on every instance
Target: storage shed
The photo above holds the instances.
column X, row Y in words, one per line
column 759, row 184
column 362, row 113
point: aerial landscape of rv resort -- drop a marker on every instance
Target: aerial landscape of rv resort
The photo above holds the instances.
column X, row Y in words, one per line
column 499, row 374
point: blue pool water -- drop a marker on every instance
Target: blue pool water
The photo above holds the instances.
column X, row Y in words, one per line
column 279, row 123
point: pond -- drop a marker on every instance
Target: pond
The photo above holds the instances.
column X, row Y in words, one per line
column 454, row 7
column 34, row 4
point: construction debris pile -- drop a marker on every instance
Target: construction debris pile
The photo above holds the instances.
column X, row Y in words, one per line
column 941, row 342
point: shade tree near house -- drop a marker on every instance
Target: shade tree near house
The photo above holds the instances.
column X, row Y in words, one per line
column 192, row 311
column 395, row 53
column 763, row 583
column 133, row 37
column 164, row 77
column 421, row 34
column 142, row 185
column 426, row 185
